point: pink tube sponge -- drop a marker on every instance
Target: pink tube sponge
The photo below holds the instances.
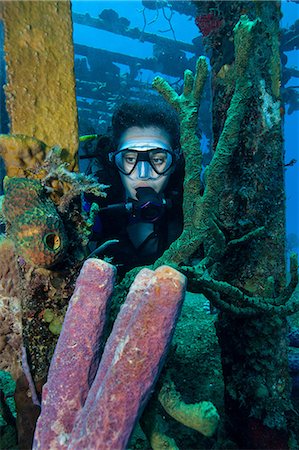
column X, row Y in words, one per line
column 123, row 388
column 69, row 375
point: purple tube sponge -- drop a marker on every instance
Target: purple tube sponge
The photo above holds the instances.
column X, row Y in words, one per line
column 136, row 353
column 69, row 375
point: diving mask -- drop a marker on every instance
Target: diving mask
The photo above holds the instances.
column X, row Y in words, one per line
column 150, row 163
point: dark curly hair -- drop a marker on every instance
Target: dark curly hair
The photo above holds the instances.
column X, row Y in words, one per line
column 152, row 113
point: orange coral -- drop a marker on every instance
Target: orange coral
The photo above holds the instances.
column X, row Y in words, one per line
column 21, row 152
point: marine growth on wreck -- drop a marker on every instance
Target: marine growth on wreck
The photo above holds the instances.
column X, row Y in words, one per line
column 206, row 336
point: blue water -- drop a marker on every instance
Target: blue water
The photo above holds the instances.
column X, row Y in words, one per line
column 291, row 133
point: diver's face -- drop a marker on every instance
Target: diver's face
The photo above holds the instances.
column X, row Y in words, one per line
column 144, row 156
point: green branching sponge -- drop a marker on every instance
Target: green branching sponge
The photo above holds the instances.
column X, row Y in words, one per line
column 199, row 210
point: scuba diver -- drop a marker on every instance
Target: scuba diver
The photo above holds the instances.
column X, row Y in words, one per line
column 144, row 167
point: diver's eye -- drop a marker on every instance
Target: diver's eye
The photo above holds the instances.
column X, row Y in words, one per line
column 52, row 241
column 158, row 159
column 130, row 158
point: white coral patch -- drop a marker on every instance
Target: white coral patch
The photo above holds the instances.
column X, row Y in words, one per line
column 270, row 108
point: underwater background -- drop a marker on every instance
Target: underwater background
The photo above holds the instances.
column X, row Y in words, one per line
column 110, row 67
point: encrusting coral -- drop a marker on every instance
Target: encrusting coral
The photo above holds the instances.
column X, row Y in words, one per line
column 28, row 157
column 10, row 310
column 41, row 210
column 11, row 335
column 43, row 187
column 33, row 223
column 10, row 276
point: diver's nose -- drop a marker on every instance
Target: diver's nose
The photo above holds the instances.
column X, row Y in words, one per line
column 143, row 169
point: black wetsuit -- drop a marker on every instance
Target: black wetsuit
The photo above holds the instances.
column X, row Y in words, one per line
column 140, row 242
